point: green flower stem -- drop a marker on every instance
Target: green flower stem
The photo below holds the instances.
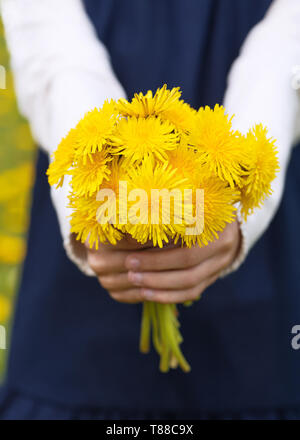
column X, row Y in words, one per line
column 164, row 355
column 161, row 320
column 145, row 329
column 174, row 336
column 155, row 328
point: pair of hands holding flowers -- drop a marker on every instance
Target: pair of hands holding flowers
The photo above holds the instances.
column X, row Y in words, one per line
column 134, row 273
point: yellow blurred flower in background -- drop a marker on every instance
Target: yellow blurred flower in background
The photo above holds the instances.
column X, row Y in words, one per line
column 14, row 218
column 12, row 249
column 5, row 308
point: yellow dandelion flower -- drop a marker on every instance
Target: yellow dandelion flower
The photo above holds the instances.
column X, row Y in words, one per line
column 263, row 170
column 118, row 177
column 218, row 146
column 136, row 138
column 152, row 219
column 12, row 249
column 90, row 135
column 181, row 115
column 88, row 212
column 85, row 224
column 95, row 129
column 88, row 175
column 5, row 308
column 118, row 172
column 164, row 103
column 149, row 104
column 198, row 177
column 183, row 159
column 218, row 209
column 63, row 159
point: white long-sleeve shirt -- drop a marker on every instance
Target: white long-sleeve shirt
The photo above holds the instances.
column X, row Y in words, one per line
column 62, row 70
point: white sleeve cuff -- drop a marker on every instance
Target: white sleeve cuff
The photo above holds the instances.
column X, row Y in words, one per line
column 243, row 250
column 77, row 253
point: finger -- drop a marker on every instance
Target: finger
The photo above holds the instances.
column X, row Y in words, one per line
column 177, row 296
column 107, row 259
column 116, row 282
column 130, row 296
column 171, row 296
column 176, row 279
column 169, row 259
column 107, row 262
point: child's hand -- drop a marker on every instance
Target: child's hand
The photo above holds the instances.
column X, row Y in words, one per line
column 108, row 262
column 133, row 273
column 181, row 274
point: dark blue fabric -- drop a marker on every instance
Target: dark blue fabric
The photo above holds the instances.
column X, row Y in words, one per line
column 74, row 346
column 20, row 406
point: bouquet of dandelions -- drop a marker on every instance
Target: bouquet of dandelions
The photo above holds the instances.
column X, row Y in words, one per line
column 162, row 172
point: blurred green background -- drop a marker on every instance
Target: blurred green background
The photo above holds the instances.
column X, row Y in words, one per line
column 17, row 152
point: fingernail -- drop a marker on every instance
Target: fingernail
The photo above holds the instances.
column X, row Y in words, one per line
column 147, row 293
column 133, row 263
column 136, row 278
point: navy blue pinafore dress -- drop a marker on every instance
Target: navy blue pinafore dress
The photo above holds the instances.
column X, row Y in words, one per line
column 74, row 351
